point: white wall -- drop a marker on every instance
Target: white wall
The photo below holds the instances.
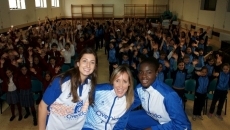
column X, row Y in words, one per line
column 118, row 4
column 30, row 15
column 26, row 16
column 189, row 10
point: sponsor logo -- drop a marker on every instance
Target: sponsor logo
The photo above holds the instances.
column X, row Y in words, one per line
column 102, row 102
column 100, row 114
column 75, row 115
column 70, row 112
column 142, row 99
column 154, row 115
column 78, row 106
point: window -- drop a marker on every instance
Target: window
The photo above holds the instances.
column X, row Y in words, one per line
column 55, row 3
column 208, row 5
column 17, row 4
column 40, row 3
column 228, row 8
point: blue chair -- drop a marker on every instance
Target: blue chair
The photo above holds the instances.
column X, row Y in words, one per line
column 169, row 82
column 64, row 68
column 210, row 92
column 190, row 88
column 36, row 89
column 72, row 62
column 169, row 75
column 3, row 98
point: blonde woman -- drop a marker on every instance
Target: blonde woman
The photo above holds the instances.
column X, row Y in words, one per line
column 112, row 102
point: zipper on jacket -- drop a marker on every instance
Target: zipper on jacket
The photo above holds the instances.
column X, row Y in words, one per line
column 110, row 113
column 148, row 100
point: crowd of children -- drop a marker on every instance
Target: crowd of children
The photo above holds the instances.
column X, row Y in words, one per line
column 40, row 51
column 37, row 53
column 182, row 54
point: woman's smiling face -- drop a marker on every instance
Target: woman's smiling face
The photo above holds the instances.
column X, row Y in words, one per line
column 86, row 65
column 121, row 84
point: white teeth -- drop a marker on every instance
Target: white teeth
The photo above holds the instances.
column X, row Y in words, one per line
column 86, row 70
column 119, row 91
column 144, row 81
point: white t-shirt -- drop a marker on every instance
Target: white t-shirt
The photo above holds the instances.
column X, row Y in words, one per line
column 11, row 85
column 64, row 114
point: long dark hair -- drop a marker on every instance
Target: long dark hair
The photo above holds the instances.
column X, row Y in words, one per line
column 11, row 70
column 74, row 74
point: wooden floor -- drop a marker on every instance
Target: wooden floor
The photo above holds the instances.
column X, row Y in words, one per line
column 206, row 124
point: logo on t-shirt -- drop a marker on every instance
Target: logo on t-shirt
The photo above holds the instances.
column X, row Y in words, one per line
column 70, row 112
column 103, row 115
column 154, row 115
column 102, row 103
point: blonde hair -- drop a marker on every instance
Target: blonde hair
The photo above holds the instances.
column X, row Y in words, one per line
column 129, row 94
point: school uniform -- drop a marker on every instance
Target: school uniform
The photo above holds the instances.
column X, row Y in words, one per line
column 107, row 40
column 200, row 95
column 80, row 46
column 200, row 62
column 126, row 62
column 63, row 113
column 190, row 57
column 108, row 112
column 24, row 59
column 135, row 60
column 8, row 64
column 200, row 46
column 112, row 59
column 9, row 85
column 45, row 83
column 189, row 67
column 163, row 63
column 68, row 54
column 183, row 48
column 179, row 77
column 51, row 68
column 38, row 68
column 220, row 93
column 120, row 55
column 26, row 94
column 160, row 76
column 162, row 109
column 156, row 54
column 97, row 38
column 55, row 54
column 173, row 64
column 90, row 43
column 210, row 70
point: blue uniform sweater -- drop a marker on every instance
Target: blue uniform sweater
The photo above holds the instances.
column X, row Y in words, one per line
column 179, row 78
column 112, row 55
column 202, row 84
column 223, row 81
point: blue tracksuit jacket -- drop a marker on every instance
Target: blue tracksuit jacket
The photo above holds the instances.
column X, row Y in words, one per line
column 108, row 112
column 162, row 104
